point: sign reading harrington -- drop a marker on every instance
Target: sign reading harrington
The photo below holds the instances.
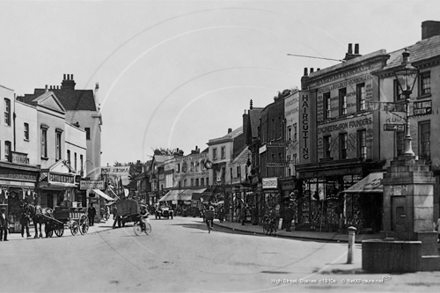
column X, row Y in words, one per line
column 269, row 183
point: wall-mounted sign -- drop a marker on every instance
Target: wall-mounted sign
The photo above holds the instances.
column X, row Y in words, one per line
column 269, row 183
column 262, row 149
column 61, row 178
column 394, row 127
column 91, row 184
column 19, row 158
column 422, row 108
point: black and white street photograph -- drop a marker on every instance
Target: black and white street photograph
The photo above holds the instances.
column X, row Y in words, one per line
column 219, row 146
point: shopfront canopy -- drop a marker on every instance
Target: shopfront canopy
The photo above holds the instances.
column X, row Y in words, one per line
column 187, row 194
column 102, row 194
column 171, row 195
column 372, row 183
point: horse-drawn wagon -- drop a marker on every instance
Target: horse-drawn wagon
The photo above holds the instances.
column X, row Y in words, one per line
column 127, row 209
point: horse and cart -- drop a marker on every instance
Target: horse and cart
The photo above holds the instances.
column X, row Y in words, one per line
column 129, row 210
column 55, row 220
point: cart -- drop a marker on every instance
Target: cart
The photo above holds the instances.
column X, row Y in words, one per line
column 128, row 210
column 57, row 219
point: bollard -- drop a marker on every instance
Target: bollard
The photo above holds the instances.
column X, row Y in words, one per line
column 351, row 238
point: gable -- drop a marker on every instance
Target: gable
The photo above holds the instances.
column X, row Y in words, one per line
column 49, row 100
column 61, row 167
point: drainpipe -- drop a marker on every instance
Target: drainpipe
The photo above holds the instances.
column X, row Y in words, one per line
column 13, row 121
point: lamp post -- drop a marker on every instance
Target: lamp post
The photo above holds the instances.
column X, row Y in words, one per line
column 406, row 76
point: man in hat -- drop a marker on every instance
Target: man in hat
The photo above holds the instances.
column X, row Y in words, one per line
column 3, row 225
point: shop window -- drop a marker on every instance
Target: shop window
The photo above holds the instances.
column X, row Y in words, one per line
column 360, row 97
column 343, row 144
column 425, row 83
column 342, row 101
column 425, row 140
column 8, row 112
column 327, row 105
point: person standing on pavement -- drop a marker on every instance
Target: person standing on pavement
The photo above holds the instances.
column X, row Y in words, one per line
column 91, row 212
column 116, row 217
column 288, row 217
column 24, row 222
column 3, row 226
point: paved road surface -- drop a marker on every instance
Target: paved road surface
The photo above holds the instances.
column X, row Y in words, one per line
column 180, row 256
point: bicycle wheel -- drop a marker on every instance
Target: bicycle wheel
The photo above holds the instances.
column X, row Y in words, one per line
column 84, row 228
column 74, row 229
column 148, row 228
column 137, row 229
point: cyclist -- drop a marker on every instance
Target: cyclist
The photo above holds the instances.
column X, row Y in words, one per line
column 142, row 216
column 209, row 218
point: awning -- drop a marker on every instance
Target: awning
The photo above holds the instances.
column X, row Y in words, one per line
column 187, row 194
column 100, row 193
column 171, row 195
column 372, row 183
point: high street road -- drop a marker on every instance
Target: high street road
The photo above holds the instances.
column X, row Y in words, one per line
column 180, row 256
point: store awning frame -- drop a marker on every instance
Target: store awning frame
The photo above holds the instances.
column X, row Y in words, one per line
column 102, row 194
column 372, row 183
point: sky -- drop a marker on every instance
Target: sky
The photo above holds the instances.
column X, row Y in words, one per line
column 175, row 74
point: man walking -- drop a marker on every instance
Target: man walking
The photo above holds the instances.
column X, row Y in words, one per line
column 3, row 226
column 24, row 222
column 91, row 212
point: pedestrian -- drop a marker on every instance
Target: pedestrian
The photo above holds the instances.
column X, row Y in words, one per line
column 116, row 217
column 91, row 212
column 244, row 214
column 254, row 214
column 438, row 230
column 3, row 226
column 24, row 222
column 221, row 214
column 288, row 217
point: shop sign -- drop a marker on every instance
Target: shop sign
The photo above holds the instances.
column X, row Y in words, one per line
column 287, row 185
column 269, row 183
column 19, row 158
column 12, row 174
column 61, row 178
column 275, row 164
column 115, row 170
column 91, row 184
column 262, row 149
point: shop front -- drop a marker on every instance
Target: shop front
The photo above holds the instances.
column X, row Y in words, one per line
column 321, row 204
column 271, row 197
column 57, row 188
column 17, row 184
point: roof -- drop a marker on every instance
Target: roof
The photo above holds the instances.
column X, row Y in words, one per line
column 231, row 135
column 254, row 119
column 71, row 99
column 162, row 158
column 422, row 50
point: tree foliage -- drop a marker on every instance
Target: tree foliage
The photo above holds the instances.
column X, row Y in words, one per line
column 167, row 152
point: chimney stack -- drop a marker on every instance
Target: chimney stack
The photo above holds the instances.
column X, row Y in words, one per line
column 311, row 70
column 306, row 72
column 68, row 82
column 251, row 105
column 356, row 49
column 350, row 49
column 430, row 28
column 229, row 130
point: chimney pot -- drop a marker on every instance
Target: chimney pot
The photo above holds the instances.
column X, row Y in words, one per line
column 317, row 69
column 350, row 49
column 64, row 76
column 356, row 48
column 305, row 72
column 229, row 130
column 311, row 70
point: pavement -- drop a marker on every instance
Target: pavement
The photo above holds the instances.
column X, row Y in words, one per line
column 247, row 228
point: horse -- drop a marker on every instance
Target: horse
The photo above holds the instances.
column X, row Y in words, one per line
column 37, row 214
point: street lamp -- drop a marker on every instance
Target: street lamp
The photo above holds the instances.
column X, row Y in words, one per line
column 406, row 76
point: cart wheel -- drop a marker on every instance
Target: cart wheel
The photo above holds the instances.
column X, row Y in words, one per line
column 148, row 228
column 137, row 229
column 74, row 228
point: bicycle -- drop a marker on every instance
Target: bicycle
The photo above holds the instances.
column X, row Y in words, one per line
column 83, row 224
column 142, row 226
